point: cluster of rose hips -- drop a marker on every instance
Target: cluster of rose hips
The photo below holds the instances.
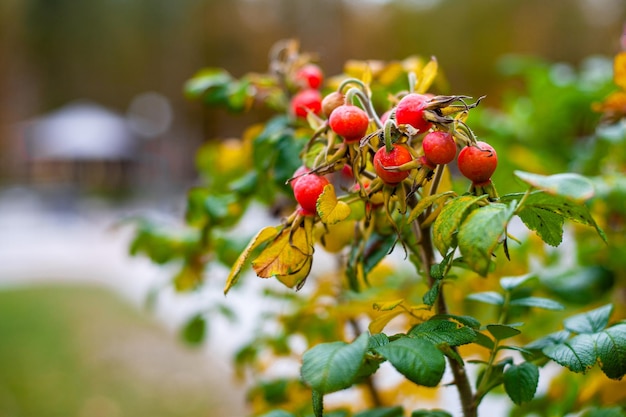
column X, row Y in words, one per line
column 380, row 164
column 416, row 118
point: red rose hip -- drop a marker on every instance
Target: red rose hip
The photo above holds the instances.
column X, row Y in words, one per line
column 305, row 101
column 349, row 121
column 307, row 190
column 298, row 173
column 309, row 76
column 399, row 155
column 478, row 163
column 410, row 111
column 439, row 147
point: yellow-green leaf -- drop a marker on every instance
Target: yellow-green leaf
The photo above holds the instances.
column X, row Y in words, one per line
column 426, row 202
column 481, row 232
column 426, row 78
column 314, row 121
column 188, row 278
column 263, row 236
column 285, row 255
column 447, row 224
column 330, row 209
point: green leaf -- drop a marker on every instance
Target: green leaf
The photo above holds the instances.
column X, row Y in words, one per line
column 239, row 95
column 443, row 332
column 494, row 377
column 577, row 354
column 512, row 283
column 330, row 367
column 162, row 246
column 605, row 412
column 382, row 412
column 502, row 331
column 481, row 233
column 437, row 271
column 361, row 263
column 246, row 185
column 589, row 322
column 570, row 185
column 464, row 320
column 549, row 340
column 582, row 285
column 376, row 250
column 273, row 155
column 520, row 382
column 540, row 210
column 194, row 330
column 488, row 297
column 377, row 340
column 205, row 80
column 538, row 302
column 417, row 359
column 430, row 413
column 228, row 248
column 516, row 349
column 484, row 340
column 447, row 224
column 217, row 206
column 370, row 365
column 611, row 350
column 547, row 224
column 430, row 297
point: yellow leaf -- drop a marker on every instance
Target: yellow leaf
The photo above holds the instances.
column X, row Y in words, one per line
column 426, row 78
column 296, row 279
column 187, row 278
column 285, row 255
column 337, row 236
column 355, row 68
column 388, row 305
column 330, row 209
column 390, row 73
column 263, row 236
column 367, row 75
column 413, row 64
column 378, row 324
column 445, row 182
column 619, row 70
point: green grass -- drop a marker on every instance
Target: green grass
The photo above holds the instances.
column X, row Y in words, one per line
column 82, row 351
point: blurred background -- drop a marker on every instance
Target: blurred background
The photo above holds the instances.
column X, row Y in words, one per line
column 94, row 127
